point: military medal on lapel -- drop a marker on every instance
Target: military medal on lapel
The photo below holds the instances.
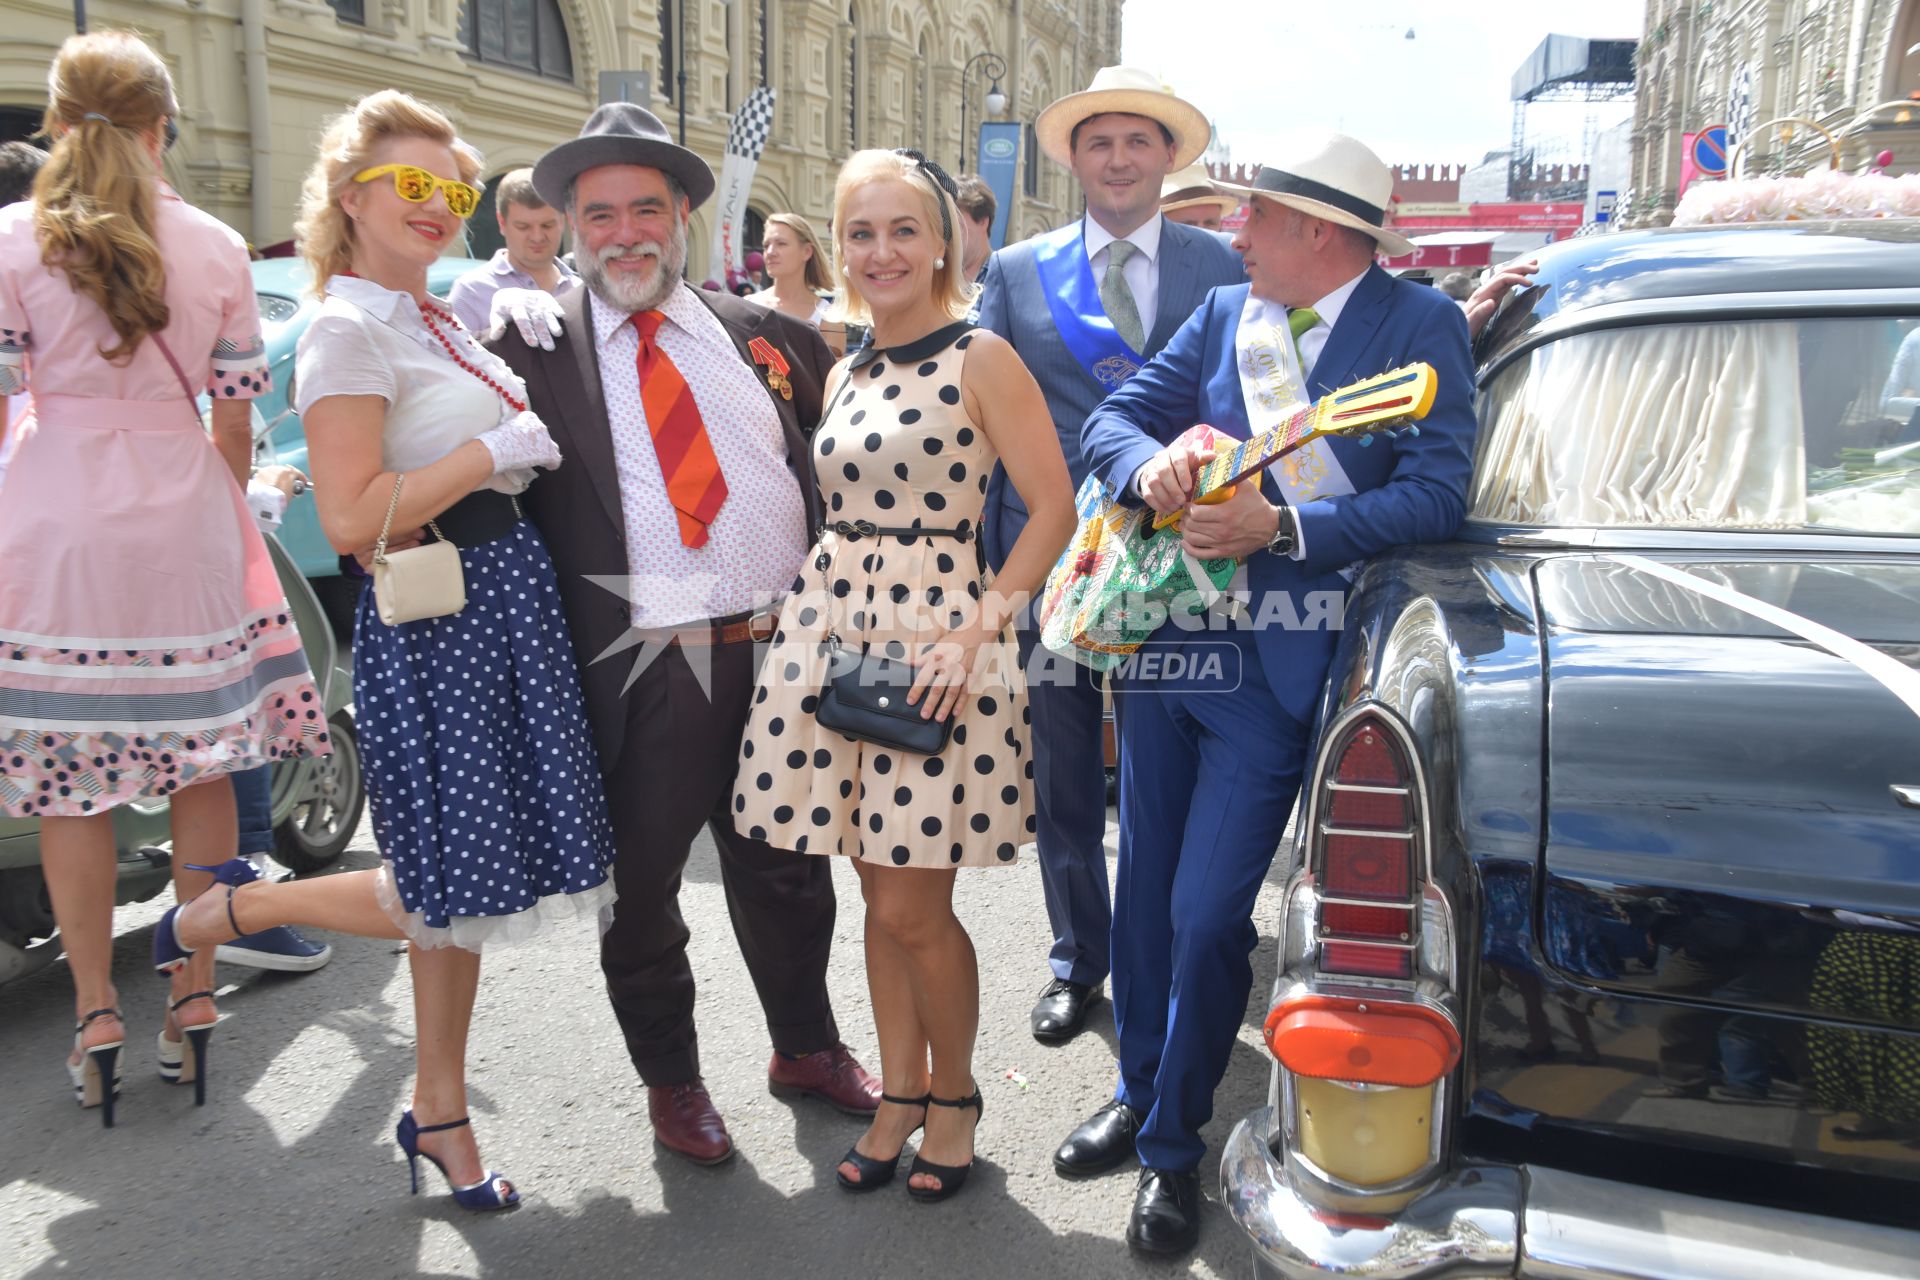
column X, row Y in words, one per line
column 765, row 353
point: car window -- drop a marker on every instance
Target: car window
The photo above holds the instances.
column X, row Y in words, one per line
column 1767, row 424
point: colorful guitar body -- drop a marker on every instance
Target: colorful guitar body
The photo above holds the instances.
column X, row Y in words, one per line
column 1127, row 570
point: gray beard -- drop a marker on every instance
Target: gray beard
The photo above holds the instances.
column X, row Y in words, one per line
column 632, row 296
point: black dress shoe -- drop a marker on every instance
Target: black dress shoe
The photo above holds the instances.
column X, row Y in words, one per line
column 1061, row 1013
column 1166, row 1212
column 1102, row 1141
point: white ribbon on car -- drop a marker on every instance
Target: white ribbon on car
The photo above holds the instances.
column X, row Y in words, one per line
column 1901, row 681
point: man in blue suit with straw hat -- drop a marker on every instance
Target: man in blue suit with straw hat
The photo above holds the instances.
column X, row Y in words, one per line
column 1211, row 766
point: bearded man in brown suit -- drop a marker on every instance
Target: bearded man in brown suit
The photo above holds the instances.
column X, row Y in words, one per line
column 682, row 515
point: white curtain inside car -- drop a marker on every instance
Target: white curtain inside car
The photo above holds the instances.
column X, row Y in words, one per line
column 1662, row 425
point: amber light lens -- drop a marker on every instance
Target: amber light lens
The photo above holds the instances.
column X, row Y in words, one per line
column 1365, row 1138
column 1363, row 1041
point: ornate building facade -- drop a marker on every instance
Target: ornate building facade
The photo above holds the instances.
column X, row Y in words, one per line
column 258, row 78
column 1742, row 63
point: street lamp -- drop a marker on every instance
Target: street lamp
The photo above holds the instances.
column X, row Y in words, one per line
column 996, row 100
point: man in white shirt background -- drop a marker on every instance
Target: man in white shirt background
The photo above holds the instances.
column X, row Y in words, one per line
column 529, row 260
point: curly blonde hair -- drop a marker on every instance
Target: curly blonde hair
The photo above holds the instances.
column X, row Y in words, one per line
column 95, row 197
column 951, row 288
column 324, row 232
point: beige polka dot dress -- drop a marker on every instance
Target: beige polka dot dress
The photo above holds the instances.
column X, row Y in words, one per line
column 897, row 450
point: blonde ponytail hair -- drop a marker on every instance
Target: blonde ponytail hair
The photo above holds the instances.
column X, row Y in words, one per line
column 324, row 233
column 94, row 199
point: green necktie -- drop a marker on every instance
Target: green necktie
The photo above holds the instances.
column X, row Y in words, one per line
column 1299, row 320
column 1117, row 299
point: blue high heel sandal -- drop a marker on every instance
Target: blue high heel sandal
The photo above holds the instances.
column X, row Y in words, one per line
column 168, row 954
column 491, row 1192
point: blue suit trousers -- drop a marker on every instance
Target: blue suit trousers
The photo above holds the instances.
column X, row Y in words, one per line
column 1070, row 807
column 1209, row 771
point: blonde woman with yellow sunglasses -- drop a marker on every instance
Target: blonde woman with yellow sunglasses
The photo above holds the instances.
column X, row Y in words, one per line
column 493, row 829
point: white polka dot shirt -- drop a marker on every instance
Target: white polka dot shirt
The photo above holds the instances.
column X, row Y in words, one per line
column 756, row 543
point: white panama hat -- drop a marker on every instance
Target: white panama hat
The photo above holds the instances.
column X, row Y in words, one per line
column 1329, row 175
column 1193, row 185
column 1126, row 91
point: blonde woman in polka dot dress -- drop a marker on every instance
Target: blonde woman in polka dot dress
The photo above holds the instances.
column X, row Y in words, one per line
column 914, row 427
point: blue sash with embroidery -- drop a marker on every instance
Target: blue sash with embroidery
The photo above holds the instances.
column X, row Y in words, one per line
column 1066, row 277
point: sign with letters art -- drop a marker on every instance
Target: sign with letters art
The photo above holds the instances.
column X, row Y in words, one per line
column 745, row 141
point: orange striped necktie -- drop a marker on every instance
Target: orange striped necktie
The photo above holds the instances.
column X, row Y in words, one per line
column 687, row 461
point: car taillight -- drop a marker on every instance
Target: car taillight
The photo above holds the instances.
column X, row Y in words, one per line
column 1366, row 857
column 1365, row 1054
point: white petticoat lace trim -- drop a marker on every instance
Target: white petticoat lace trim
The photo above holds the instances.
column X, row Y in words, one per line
column 471, row 933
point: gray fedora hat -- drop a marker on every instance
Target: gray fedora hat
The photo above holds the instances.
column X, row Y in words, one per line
column 621, row 133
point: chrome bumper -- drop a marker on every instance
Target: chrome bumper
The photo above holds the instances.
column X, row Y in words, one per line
column 1497, row 1220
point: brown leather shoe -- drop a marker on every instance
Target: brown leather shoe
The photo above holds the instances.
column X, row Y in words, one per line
column 686, row 1123
column 831, row 1075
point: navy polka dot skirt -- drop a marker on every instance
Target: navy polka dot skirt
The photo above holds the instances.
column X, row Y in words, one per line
column 481, row 772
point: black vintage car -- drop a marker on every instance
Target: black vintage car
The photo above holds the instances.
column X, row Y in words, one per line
column 1601, row 953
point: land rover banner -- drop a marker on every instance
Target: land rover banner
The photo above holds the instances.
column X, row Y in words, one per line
column 999, row 162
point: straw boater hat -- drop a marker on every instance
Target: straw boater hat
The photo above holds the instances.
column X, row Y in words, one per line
column 621, row 133
column 1192, row 186
column 1331, row 176
column 1129, row 91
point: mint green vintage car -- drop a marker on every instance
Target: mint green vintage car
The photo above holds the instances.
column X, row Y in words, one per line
column 316, row 806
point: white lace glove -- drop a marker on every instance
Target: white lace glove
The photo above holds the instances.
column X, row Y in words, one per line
column 520, row 444
column 534, row 312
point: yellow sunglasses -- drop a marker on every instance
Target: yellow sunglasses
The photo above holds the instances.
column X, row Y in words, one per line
column 414, row 184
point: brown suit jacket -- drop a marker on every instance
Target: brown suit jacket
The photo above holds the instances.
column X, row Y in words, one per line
column 577, row 507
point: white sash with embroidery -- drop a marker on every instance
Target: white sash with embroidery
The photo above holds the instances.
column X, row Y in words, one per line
column 1274, row 388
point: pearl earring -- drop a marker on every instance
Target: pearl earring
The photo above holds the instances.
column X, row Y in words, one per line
column 939, row 264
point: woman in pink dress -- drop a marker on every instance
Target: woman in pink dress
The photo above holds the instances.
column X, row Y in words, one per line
column 146, row 649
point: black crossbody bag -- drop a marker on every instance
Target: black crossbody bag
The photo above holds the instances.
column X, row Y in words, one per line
column 865, row 696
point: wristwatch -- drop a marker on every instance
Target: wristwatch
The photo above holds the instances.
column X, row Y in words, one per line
column 1285, row 532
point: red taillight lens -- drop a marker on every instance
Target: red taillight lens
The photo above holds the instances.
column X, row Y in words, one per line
column 1372, row 810
column 1370, row 759
column 1371, row 867
column 1367, row 853
column 1361, row 960
column 1384, row 924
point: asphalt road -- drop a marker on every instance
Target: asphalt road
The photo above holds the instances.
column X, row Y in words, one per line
column 291, row 1169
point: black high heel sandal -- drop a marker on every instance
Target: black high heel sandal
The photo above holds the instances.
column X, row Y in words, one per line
column 952, row 1177
column 96, row 1077
column 876, row 1173
column 184, row 1061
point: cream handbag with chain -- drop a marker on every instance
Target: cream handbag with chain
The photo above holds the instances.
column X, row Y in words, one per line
column 420, row 582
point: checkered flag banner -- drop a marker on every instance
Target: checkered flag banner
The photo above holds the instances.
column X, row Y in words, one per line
column 745, row 141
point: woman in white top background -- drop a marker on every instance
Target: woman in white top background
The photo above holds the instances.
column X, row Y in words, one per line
column 797, row 265
column 486, row 794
